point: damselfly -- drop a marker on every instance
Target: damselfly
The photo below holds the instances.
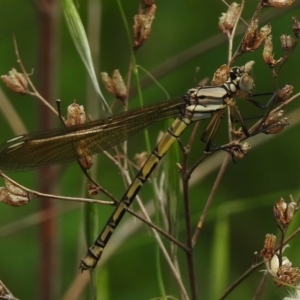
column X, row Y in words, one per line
column 59, row 146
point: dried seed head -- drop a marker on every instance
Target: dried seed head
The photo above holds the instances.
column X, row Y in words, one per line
column 237, row 150
column 284, row 273
column 287, row 275
column 119, row 85
column 140, row 158
column 107, row 81
column 254, row 39
column 274, row 123
column 84, row 155
column 86, row 161
column 287, row 42
column 265, row 31
column 142, row 26
column 268, row 53
column 241, row 151
column 228, row 20
column 75, row 114
column 296, row 27
column 11, row 199
column 284, row 212
column 93, row 190
column 115, row 85
column 14, row 195
column 16, row 82
column 148, row 2
column 269, row 247
column 247, row 67
column 278, row 3
column 14, row 189
column 285, row 93
column 221, row 75
column 250, row 36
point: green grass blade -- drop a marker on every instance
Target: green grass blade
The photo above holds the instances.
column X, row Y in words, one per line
column 80, row 40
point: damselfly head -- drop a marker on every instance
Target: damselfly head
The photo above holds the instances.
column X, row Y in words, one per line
column 246, row 83
column 242, row 79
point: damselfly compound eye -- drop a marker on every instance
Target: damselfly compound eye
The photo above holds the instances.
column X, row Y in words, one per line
column 246, row 83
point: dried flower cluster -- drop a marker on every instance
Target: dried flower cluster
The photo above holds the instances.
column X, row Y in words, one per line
column 141, row 158
column 280, row 267
column 274, row 123
column 115, row 85
column 285, row 93
column 14, row 195
column 278, row 3
column 229, row 19
column 296, row 27
column 76, row 116
column 238, row 150
column 268, row 53
column 221, row 75
column 284, row 212
column 16, row 82
column 143, row 23
column 254, row 38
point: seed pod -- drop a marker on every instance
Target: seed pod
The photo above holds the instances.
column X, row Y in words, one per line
column 76, row 116
column 254, row 39
column 269, row 247
column 14, row 195
column 287, row 42
column 119, row 85
column 238, row 150
column 284, row 212
column 274, row 123
column 108, row 84
column 140, row 158
column 285, row 93
column 228, row 20
column 16, row 82
column 11, row 199
column 148, row 2
column 278, row 3
column 248, row 66
column 221, row 75
column 286, row 274
column 115, row 85
column 142, row 26
column 296, row 27
column 268, row 53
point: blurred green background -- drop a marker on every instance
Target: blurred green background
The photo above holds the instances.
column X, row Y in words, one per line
column 241, row 214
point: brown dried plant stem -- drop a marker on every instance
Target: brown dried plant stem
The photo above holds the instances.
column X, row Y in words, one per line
column 47, row 178
column 47, row 22
column 35, row 92
column 185, row 176
column 34, row 194
column 189, row 253
column 210, row 198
